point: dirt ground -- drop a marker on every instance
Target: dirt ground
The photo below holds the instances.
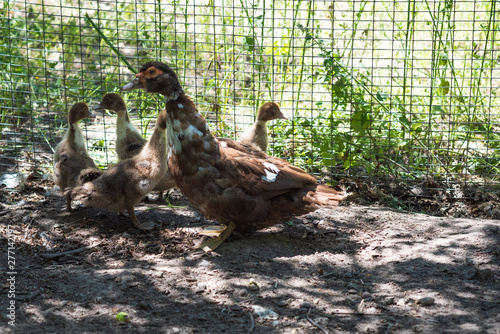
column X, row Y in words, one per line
column 355, row 269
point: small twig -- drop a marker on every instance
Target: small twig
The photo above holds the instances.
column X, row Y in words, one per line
column 252, row 324
column 355, row 313
column 26, row 232
column 74, row 251
column 315, row 324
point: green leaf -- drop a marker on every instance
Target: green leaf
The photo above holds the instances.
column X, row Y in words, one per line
column 403, row 119
column 250, row 42
column 444, row 87
column 360, row 121
column 381, row 96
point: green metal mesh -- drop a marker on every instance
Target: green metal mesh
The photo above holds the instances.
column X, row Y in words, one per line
column 403, row 90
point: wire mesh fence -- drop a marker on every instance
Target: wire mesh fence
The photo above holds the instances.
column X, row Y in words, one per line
column 404, row 90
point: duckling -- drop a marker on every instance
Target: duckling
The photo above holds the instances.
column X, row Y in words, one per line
column 234, row 184
column 129, row 141
column 122, row 186
column 257, row 134
column 72, row 164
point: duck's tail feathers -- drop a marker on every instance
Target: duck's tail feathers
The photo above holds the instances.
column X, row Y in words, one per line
column 327, row 196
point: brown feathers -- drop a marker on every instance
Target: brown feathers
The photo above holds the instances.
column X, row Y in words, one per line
column 129, row 141
column 225, row 180
column 125, row 184
column 72, row 164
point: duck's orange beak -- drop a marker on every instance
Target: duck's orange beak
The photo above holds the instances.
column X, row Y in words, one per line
column 136, row 84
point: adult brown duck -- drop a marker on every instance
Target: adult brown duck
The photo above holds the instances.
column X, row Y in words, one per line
column 232, row 183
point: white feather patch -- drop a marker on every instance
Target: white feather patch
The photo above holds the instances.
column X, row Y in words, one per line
column 173, row 139
column 180, row 106
column 271, row 172
column 192, row 130
column 177, row 126
column 208, row 147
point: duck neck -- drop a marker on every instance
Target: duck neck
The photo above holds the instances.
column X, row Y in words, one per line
column 122, row 124
column 75, row 135
column 261, row 126
column 189, row 140
column 156, row 146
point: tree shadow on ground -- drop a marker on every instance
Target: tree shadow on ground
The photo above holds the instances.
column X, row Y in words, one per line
column 350, row 270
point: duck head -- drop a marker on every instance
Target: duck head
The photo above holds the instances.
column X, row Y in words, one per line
column 112, row 101
column 156, row 77
column 269, row 111
column 79, row 111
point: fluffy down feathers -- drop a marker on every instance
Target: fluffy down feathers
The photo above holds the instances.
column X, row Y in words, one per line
column 125, row 184
column 129, row 141
column 72, row 165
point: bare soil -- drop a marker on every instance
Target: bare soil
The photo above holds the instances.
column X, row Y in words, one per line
column 354, row 269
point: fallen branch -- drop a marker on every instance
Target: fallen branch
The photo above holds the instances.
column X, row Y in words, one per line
column 74, row 251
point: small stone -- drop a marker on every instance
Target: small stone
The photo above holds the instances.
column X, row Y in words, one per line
column 275, row 323
column 426, row 301
column 352, row 291
column 366, row 295
column 157, row 274
column 305, row 305
column 144, row 306
column 202, row 318
column 417, row 329
column 253, row 287
column 389, row 301
column 200, row 288
column 204, row 263
column 241, row 292
column 281, row 303
column 263, row 312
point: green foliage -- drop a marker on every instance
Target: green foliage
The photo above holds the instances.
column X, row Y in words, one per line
column 405, row 96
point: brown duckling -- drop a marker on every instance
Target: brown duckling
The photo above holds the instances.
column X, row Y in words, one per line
column 257, row 134
column 234, row 184
column 122, row 186
column 72, row 164
column 129, row 141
